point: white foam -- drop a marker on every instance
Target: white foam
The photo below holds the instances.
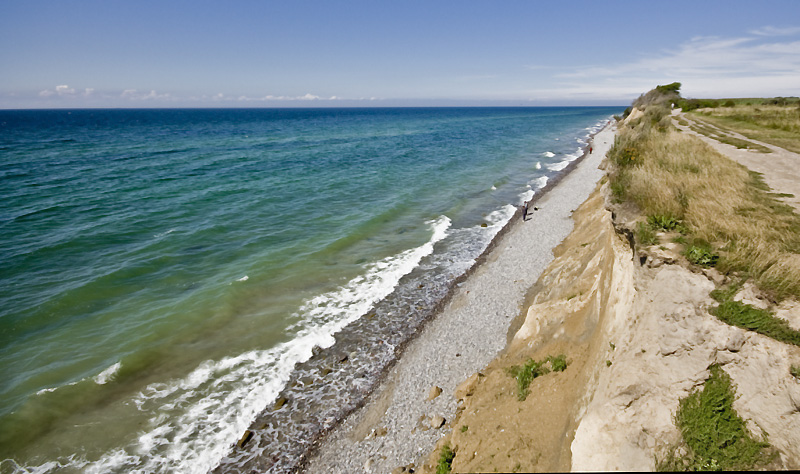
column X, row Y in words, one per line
column 498, row 218
column 244, row 278
column 157, row 236
column 558, row 166
column 108, row 374
column 527, row 195
column 193, row 420
column 539, row 165
column 494, row 188
column 549, row 154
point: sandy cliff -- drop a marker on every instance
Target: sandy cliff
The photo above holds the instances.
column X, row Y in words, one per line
column 635, row 327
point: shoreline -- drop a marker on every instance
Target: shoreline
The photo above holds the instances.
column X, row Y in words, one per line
column 384, row 420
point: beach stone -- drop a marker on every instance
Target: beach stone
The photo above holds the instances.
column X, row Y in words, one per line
column 368, row 464
column 437, row 422
column 280, row 402
column 244, row 439
column 404, row 469
column 435, row 392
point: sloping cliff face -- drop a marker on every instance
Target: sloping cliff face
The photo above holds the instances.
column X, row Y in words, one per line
column 638, row 337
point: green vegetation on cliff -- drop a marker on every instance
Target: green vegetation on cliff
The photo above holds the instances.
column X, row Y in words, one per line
column 715, row 437
column 728, row 210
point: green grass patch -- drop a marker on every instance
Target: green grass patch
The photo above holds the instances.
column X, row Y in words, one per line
column 667, row 223
column 714, row 436
column 535, row 368
column 645, row 234
column 701, row 255
column 751, row 318
column 446, row 457
column 794, row 370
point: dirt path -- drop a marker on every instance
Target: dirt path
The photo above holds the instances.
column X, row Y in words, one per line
column 781, row 168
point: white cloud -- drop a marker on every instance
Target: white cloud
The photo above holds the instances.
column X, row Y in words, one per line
column 64, row 90
column 706, row 66
column 46, row 93
column 774, row 31
column 135, row 95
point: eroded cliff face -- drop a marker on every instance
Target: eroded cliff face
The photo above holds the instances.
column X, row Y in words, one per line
column 638, row 337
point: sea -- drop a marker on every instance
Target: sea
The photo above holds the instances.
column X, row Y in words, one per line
column 170, row 278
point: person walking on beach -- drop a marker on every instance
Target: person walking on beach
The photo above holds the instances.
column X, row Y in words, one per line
column 525, row 211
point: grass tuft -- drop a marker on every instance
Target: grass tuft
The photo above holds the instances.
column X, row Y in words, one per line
column 645, row 234
column 446, row 457
column 715, row 436
column 794, row 370
column 535, row 368
column 751, row 318
column 701, row 255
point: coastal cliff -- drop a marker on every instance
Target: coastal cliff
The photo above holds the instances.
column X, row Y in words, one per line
column 638, row 338
column 640, row 322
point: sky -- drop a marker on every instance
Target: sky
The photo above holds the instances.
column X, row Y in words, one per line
column 301, row 53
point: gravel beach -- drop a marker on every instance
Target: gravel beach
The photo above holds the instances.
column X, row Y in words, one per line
column 402, row 420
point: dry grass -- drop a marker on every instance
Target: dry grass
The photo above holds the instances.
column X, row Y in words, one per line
column 775, row 124
column 704, row 128
column 674, row 175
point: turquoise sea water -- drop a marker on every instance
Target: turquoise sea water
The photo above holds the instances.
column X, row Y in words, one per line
column 165, row 273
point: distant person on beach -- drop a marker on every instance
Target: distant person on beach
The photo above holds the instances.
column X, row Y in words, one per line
column 591, row 142
column 525, row 211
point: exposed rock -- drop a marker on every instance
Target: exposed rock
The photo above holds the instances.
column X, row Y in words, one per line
column 280, row 402
column 789, row 310
column 244, row 439
column 437, row 422
column 714, row 275
column 435, row 392
column 751, row 295
column 467, row 387
column 404, row 469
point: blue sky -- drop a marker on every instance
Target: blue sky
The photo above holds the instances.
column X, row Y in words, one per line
column 385, row 53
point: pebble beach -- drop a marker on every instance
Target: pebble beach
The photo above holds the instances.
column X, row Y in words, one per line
column 404, row 418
